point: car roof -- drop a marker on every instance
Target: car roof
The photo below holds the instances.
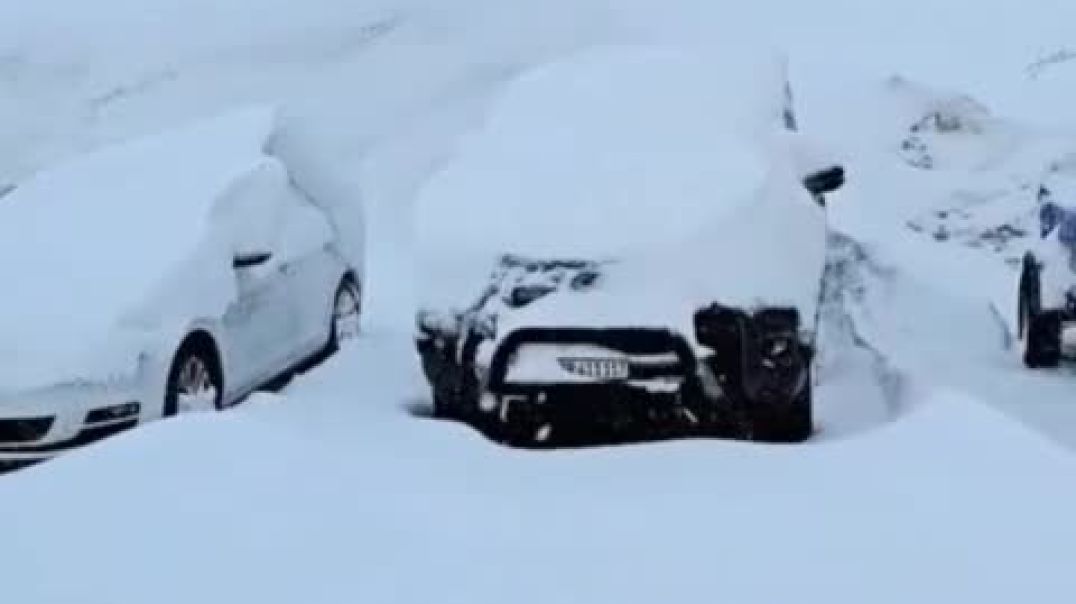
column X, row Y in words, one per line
column 654, row 139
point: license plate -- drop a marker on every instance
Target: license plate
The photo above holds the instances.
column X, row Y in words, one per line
column 597, row 368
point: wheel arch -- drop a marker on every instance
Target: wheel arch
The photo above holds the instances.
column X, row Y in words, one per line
column 348, row 275
column 203, row 341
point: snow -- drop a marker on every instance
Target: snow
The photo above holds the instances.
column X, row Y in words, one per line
column 1044, row 84
column 917, row 489
column 352, row 498
column 652, row 156
column 105, row 232
column 625, row 132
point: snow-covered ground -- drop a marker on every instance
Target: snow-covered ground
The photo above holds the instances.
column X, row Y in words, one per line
column 341, row 495
column 917, row 489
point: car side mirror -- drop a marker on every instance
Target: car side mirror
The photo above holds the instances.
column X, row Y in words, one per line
column 825, row 181
column 248, row 259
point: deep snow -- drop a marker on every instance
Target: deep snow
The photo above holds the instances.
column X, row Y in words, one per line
column 334, row 492
column 631, row 132
column 653, row 158
column 77, row 270
column 355, row 500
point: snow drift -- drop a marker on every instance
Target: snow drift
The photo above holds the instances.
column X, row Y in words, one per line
column 358, row 499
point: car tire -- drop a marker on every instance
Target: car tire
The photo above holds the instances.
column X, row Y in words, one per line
column 348, row 287
column 345, row 320
column 792, row 423
column 195, row 380
column 1039, row 330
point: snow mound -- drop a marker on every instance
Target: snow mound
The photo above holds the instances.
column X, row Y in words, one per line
column 1046, row 88
column 160, row 31
column 645, row 136
column 96, row 236
column 351, row 487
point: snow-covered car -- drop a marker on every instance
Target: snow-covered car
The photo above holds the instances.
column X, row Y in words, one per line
column 656, row 231
column 1046, row 292
column 176, row 272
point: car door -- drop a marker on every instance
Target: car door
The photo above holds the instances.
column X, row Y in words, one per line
column 312, row 269
column 260, row 324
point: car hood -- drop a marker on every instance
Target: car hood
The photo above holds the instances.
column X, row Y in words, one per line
column 109, row 355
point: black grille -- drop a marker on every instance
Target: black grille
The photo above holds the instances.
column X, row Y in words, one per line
column 84, row 437
column 24, row 430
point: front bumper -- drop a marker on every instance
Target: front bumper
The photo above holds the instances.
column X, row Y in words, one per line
column 39, row 424
column 749, row 378
column 582, row 414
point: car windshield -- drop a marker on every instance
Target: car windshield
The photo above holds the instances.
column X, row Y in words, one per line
column 517, row 280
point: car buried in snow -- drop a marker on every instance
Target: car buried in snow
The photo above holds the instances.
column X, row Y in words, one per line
column 701, row 322
column 1046, row 291
column 174, row 273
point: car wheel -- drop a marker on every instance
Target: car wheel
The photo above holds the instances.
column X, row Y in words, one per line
column 194, row 381
column 791, row 423
column 441, row 408
column 1039, row 330
column 346, row 313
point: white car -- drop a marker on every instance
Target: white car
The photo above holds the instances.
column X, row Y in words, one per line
column 174, row 273
column 632, row 246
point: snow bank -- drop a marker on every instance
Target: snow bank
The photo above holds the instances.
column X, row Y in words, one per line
column 318, row 499
column 160, row 31
column 86, row 242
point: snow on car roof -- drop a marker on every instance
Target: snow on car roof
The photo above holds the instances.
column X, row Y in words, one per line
column 614, row 152
column 83, row 241
column 646, row 135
